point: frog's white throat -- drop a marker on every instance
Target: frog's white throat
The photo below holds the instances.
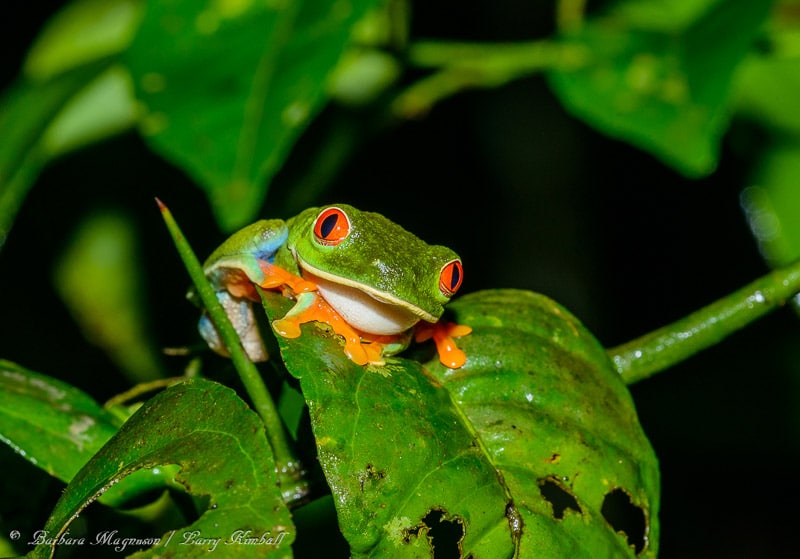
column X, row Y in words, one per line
column 363, row 308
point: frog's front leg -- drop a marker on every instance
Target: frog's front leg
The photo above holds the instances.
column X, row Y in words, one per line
column 277, row 277
column 310, row 307
column 240, row 277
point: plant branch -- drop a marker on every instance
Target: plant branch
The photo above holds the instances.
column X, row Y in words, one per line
column 251, row 379
column 654, row 352
column 461, row 66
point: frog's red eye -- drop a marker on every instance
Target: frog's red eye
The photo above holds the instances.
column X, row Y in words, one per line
column 331, row 227
column 450, row 277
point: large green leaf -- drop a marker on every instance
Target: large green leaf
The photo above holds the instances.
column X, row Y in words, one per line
column 559, row 424
column 220, row 446
column 52, row 424
column 58, row 428
column 533, row 446
column 397, row 454
column 229, row 86
column 666, row 88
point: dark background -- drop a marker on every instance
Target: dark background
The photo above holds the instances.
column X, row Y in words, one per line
column 530, row 198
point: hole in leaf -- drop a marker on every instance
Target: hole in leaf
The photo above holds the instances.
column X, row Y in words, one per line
column 625, row 517
column 444, row 536
column 558, row 496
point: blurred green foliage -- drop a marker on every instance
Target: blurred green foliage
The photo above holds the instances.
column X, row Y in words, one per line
column 628, row 211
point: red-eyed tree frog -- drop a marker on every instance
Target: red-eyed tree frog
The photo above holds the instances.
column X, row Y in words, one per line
column 370, row 280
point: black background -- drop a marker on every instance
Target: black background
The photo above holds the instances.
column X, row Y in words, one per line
column 530, row 198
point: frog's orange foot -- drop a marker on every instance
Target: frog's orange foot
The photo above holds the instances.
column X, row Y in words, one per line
column 313, row 308
column 443, row 333
column 363, row 353
column 276, row 277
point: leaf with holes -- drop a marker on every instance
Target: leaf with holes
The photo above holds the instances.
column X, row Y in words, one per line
column 534, row 445
column 229, row 86
column 662, row 88
column 220, row 446
column 559, row 424
column 405, row 469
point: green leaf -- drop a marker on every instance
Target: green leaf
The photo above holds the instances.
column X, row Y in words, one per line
column 229, row 86
column 58, row 428
column 50, row 423
column 766, row 89
column 558, row 423
column 665, row 91
column 83, row 32
column 397, row 454
column 537, row 426
column 219, row 444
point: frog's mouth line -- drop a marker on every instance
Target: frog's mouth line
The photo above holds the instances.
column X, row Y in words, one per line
column 367, row 309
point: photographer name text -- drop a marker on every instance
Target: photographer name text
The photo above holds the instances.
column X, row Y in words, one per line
column 111, row 538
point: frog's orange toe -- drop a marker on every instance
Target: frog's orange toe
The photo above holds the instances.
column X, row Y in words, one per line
column 286, row 327
column 449, row 353
column 454, row 359
column 443, row 333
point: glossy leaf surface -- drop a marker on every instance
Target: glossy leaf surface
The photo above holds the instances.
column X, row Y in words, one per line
column 59, row 428
column 50, row 423
column 396, row 453
column 558, row 422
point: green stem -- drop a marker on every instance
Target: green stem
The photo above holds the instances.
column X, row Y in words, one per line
column 251, row 379
column 461, row 66
column 667, row 346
